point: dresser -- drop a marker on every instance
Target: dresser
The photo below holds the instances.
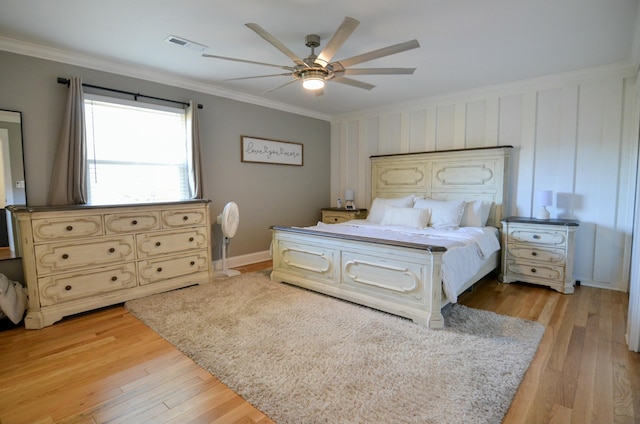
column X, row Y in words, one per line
column 539, row 252
column 336, row 215
column 81, row 258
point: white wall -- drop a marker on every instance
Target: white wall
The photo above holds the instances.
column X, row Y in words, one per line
column 575, row 134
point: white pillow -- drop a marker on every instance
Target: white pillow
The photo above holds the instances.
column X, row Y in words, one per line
column 445, row 214
column 476, row 213
column 377, row 206
column 407, row 217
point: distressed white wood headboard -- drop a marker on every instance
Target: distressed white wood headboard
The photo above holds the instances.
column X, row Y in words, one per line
column 468, row 174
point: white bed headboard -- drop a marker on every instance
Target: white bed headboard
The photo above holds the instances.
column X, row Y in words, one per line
column 468, row 174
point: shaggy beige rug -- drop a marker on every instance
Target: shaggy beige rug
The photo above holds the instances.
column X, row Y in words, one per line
column 302, row 357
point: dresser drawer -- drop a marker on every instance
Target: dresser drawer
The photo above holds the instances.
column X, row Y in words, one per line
column 78, row 285
column 130, row 222
column 47, row 229
column 184, row 218
column 154, row 270
column 530, row 253
column 56, row 257
column 538, row 236
column 154, row 244
column 535, row 270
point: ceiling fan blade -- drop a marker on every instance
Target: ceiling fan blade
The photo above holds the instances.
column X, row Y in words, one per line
column 352, row 82
column 288, row 74
column 287, row 68
column 379, row 71
column 276, row 43
column 339, row 37
column 375, row 54
column 280, row 86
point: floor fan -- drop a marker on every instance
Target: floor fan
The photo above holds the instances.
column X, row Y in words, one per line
column 228, row 220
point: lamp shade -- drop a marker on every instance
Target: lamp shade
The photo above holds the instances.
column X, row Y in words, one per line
column 544, row 198
column 349, row 194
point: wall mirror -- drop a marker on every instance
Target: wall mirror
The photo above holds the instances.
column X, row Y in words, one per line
column 12, row 182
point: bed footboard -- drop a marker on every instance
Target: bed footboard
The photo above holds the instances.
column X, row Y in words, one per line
column 400, row 278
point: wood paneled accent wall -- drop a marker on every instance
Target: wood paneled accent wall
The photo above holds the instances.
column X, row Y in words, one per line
column 575, row 134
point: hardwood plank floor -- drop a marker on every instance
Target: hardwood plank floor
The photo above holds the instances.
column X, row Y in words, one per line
column 107, row 367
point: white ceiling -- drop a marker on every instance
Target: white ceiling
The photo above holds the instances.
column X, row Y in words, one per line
column 465, row 44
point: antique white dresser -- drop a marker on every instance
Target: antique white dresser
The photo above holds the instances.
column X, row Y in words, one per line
column 80, row 258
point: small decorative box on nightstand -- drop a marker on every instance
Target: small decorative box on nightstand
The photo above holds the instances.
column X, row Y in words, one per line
column 336, row 215
column 539, row 251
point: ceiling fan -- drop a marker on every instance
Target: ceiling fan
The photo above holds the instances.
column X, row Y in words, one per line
column 315, row 70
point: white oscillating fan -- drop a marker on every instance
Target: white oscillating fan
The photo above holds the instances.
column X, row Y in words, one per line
column 228, row 220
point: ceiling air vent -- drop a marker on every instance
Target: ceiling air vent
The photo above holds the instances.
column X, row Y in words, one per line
column 182, row 42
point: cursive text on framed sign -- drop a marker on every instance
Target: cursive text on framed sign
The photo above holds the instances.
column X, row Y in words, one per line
column 271, row 151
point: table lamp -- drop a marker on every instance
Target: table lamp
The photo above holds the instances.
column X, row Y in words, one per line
column 544, row 198
column 349, row 197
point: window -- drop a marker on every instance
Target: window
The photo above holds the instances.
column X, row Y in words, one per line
column 136, row 152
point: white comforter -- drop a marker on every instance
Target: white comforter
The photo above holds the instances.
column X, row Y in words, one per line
column 467, row 248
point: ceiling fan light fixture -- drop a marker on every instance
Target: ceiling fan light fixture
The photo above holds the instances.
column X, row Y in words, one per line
column 312, row 80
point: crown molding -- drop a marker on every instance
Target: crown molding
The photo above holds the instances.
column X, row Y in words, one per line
column 126, row 69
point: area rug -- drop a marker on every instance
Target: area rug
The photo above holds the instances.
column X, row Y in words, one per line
column 302, row 357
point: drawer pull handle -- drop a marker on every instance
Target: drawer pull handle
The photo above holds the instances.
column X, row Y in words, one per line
column 190, row 238
column 193, row 263
column 69, row 228
column 535, row 236
column 533, row 270
column 159, row 269
column 158, row 243
column 65, row 256
column 111, row 250
column 534, row 253
column 184, row 218
column 134, row 222
column 67, row 288
column 114, row 278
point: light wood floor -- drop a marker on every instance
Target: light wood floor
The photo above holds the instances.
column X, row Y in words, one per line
column 106, row 366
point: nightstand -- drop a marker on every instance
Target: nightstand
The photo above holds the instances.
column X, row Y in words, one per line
column 539, row 251
column 336, row 215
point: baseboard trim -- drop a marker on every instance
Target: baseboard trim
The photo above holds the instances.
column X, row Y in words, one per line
column 242, row 260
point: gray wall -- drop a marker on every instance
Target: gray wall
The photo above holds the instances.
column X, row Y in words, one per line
column 266, row 194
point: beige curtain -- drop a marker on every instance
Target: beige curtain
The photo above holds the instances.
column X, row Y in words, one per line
column 194, row 154
column 68, row 180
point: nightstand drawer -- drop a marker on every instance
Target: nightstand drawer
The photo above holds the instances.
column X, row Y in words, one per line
column 538, row 236
column 335, row 215
column 332, row 218
column 529, row 253
column 535, row 270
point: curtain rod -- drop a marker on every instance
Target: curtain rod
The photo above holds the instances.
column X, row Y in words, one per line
column 135, row 95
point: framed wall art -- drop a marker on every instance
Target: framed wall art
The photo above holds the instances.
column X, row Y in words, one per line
column 262, row 150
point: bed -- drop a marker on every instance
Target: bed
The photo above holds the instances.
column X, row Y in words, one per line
column 366, row 262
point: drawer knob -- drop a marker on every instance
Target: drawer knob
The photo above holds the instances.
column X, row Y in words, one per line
column 184, row 218
column 134, row 222
column 67, row 288
column 158, row 243
column 534, row 253
column 114, row 278
column 111, row 250
column 159, row 269
column 193, row 263
column 533, row 270
column 65, row 256
column 535, row 236
column 190, row 238
column 69, row 228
